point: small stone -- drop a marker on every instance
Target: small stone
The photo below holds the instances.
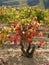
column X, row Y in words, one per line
column 15, row 64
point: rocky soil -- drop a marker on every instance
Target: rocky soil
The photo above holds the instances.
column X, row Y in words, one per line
column 13, row 56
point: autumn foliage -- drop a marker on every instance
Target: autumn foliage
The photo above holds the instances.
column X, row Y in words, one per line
column 23, row 23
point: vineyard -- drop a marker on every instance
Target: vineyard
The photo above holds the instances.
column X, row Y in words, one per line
column 22, row 27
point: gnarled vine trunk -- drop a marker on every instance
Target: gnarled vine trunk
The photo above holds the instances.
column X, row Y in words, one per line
column 29, row 51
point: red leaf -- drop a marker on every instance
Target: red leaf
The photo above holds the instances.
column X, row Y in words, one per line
column 18, row 37
column 15, row 41
column 29, row 40
column 41, row 43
